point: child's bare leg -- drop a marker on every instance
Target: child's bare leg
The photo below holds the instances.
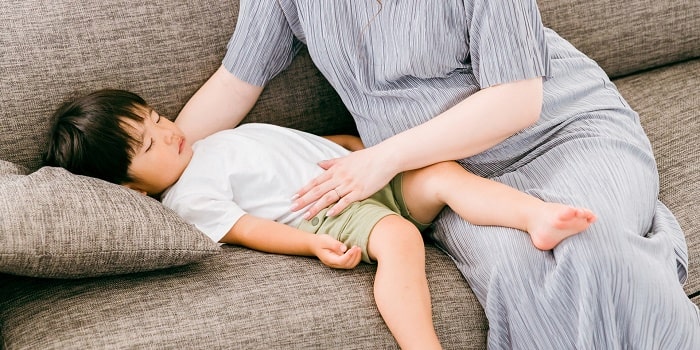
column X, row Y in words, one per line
column 486, row 202
column 400, row 286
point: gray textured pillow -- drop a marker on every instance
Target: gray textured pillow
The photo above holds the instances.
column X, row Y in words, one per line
column 8, row 168
column 59, row 225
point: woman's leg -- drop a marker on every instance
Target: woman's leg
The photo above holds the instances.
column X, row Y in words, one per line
column 400, row 286
column 613, row 286
column 489, row 203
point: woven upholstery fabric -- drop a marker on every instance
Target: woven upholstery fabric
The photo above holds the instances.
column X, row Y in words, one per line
column 668, row 103
column 7, row 168
column 53, row 50
column 241, row 299
column 55, row 224
column 628, row 36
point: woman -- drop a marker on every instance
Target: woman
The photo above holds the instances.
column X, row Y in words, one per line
column 484, row 83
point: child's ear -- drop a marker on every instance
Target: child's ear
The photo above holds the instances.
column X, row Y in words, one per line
column 135, row 188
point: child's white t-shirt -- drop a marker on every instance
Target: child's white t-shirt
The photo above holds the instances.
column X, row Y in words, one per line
column 254, row 169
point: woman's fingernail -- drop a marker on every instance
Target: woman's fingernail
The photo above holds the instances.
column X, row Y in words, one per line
column 295, row 197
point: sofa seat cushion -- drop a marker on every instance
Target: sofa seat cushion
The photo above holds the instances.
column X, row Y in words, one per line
column 239, row 299
column 56, row 224
column 668, row 104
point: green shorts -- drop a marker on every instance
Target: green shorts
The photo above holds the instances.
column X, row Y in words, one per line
column 354, row 224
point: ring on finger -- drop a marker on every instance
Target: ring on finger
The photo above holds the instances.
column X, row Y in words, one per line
column 337, row 193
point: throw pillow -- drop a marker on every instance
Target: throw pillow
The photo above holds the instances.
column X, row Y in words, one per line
column 8, row 168
column 58, row 225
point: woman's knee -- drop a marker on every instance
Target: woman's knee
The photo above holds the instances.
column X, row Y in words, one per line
column 615, row 255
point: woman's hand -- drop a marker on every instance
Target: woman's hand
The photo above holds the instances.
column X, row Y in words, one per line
column 335, row 254
column 348, row 179
column 468, row 128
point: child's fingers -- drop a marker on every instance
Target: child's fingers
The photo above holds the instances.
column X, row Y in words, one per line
column 332, row 244
column 335, row 254
column 352, row 257
column 348, row 260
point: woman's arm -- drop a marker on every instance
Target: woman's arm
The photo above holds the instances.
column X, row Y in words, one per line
column 272, row 237
column 221, row 103
column 481, row 121
column 474, row 125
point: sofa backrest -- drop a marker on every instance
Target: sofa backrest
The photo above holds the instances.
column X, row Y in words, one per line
column 50, row 50
column 162, row 50
column 628, row 36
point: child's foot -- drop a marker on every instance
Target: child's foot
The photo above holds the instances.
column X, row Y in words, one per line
column 556, row 222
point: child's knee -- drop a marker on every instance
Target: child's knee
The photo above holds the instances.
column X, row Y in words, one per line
column 435, row 175
column 395, row 235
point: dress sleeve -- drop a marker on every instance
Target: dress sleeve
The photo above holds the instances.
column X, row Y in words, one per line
column 506, row 41
column 262, row 45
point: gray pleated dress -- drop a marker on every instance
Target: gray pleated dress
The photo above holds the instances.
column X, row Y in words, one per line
column 614, row 286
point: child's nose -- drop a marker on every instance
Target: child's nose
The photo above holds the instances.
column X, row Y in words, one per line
column 168, row 136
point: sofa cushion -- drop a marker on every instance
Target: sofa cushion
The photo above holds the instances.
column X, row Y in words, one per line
column 239, row 299
column 8, row 168
column 670, row 117
column 55, row 224
column 627, row 36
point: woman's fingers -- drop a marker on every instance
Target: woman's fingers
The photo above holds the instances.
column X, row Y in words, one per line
column 346, row 180
column 312, row 186
column 313, row 191
column 340, row 205
column 325, row 201
column 319, row 180
column 322, row 191
column 327, row 164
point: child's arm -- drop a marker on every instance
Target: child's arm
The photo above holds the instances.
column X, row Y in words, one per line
column 272, row 237
column 349, row 142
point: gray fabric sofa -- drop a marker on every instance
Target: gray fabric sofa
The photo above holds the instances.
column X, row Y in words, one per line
column 236, row 298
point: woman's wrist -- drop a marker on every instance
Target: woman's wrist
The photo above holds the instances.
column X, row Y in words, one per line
column 387, row 158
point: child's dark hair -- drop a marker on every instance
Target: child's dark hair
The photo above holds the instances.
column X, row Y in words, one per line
column 90, row 137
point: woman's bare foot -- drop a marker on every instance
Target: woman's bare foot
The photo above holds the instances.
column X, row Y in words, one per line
column 554, row 222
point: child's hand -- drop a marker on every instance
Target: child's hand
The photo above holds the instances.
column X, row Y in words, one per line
column 335, row 254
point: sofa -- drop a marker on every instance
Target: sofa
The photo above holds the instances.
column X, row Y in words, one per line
column 89, row 265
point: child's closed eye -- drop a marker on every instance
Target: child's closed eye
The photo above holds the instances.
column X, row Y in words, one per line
column 150, row 145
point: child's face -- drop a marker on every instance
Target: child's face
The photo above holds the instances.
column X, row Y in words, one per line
column 162, row 157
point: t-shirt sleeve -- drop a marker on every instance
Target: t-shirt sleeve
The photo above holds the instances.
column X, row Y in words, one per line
column 204, row 198
column 506, row 41
column 262, row 44
column 213, row 216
